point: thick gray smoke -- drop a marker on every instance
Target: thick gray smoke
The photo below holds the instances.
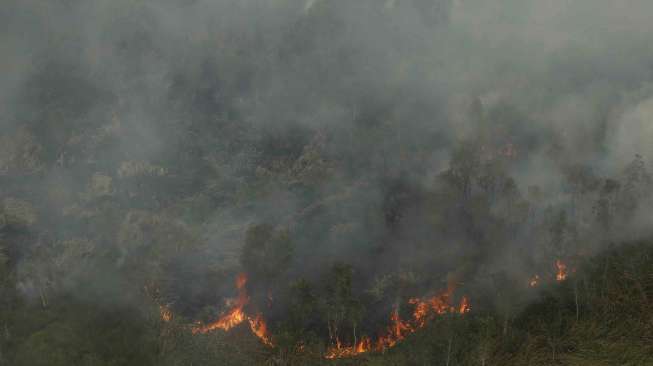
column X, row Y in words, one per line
column 335, row 120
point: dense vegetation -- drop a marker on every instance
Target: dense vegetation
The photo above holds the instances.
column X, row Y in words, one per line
column 348, row 158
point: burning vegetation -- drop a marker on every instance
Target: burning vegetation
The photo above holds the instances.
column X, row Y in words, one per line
column 561, row 275
column 236, row 315
column 166, row 314
column 425, row 310
column 345, row 156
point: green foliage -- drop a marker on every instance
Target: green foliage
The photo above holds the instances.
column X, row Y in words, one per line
column 56, row 345
column 342, row 309
column 79, row 334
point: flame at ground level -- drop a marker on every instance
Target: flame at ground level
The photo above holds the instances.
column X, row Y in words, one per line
column 562, row 271
column 464, row 306
column 425, row 310
column 260, row 328
column 233, row 317
column 166, row 314
column 534, row 281
column 236, row 315
column 340, row 351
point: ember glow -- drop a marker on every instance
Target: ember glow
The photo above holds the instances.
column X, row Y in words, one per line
column 562, row 271
column 464, row 306
column 166, row 314
column 425, row 310
column 236, row 315
column 340, row 351
column 535, row 280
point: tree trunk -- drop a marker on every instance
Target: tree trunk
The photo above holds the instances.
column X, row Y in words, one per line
column 605, row 278
column 638, row 284
column 576, row 299
column 505, row 323
column 449, row 350
column 44, row 300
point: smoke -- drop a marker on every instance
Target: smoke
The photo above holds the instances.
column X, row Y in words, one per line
column 336, row 120
column 631, row 132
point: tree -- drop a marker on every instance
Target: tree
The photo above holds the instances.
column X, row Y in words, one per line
column 3, row 258
column 303, row 307
column 604, row 209
column 55, row 345
column 581, row 181
column 267, row 251
column 637, row 185
column 341, row 307
column 463, row 167
column 561, row 234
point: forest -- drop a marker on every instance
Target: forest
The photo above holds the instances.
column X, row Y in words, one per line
column 324, row 182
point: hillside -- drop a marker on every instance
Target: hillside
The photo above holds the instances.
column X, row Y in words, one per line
column 314, row 182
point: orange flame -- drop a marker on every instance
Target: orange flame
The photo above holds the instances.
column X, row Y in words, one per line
column 340, row 351
column 166, row 314
column 396, row 332
column 439, row 305
column 534, row 281
column 236, row 315
column 464, row 306
column 260, row 329
column 562, row 271
column 425, row 309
